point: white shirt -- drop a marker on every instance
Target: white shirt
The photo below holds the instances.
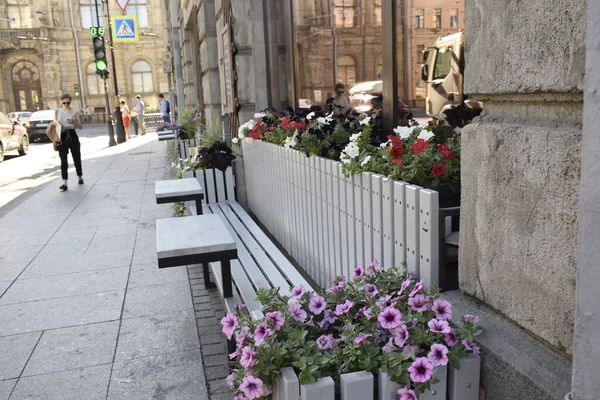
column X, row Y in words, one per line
column 64, row 115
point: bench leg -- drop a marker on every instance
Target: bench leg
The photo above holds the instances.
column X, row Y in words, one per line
column 198, row 207
column 226, row 275
column 207, row 283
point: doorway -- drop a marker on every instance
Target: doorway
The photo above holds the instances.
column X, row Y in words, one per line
column 27, row 89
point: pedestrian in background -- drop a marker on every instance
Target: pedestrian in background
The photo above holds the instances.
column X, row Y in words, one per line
column 165, row 108
column 69, row 120
column 126, row 114
column 139, row 110
column 340, row 99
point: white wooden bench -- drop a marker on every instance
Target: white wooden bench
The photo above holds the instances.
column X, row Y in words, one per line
column 260, row 263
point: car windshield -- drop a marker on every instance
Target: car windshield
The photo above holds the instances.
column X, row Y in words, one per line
column 42, row 115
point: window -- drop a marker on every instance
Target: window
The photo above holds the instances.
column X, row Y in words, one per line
column 94, row 82
column 19, row 14
column 437, row 18
column 420, row 49
column 443, row 64
column 141, row 76
column 87, row 11
column 346, row 72
column 377, row 11
column 139, row 8
column 343, row 13
column 420, row 18
column 454, row 18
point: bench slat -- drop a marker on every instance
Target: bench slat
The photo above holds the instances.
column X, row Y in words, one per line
column 220, row 185
column 229, row 183
column 210, row 186
column 286, row 268
column 246, row 294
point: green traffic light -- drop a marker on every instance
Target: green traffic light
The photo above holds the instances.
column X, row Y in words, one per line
column 101, row 65
column 76, row 94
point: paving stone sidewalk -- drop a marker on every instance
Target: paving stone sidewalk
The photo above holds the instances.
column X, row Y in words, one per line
column 85, row 313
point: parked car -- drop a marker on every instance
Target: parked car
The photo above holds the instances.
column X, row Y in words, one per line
column 305, row 103
column 12, row 137
column 367, row 97
column 20, row 116
column 38, row 123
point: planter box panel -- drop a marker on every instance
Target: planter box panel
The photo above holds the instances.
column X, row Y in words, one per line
column 387, row 208
column 412, row 229
column 428, row 237
column 377, row 207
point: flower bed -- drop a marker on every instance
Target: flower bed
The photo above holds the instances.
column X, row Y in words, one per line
column 425, row 154
column 380, row 320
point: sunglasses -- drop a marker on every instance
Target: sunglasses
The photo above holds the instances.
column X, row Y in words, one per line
column 66, row 102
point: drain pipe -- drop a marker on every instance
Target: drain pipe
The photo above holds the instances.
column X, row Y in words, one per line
column 79, row 75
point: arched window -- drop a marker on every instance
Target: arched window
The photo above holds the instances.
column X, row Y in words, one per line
column 94, row 82
column 343, row 13
column 346, row 72
column 141, row 76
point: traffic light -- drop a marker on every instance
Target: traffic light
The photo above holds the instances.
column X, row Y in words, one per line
column 76, row 90
column 100, row 55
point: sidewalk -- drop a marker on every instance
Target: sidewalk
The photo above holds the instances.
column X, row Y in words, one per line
column 84, row 311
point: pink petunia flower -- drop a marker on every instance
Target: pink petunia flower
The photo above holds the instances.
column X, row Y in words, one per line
column 414, row 350
column 400, row 335
column 381, row 303
column 372, row 268
column 438, row 326
column 317, row 305
column 451, row 339
column 418, row 287
column 473, row 318
column 261, row 333
column 371, row 289
column 390, row 318
column 420, row 370
column 471, row 346
column 438, row 355
column 230, row 378
column 362, row 338
column 405, row 284
column 229, row 323
column 407, row 394
column 297, row 312
column 326, row 342
column 252, row 387
column 442, row 309
column 337, row 287
column 343, row 308
column 276, row 318
column 329, row 316
column 389, row 347
column 297, row 292
column 418, row 303
column 241, row 337
column 247, row 360
column 240, row 397
column 358, row 271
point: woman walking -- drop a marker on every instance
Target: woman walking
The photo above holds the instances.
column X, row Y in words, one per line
column 126, row 118
column 69, row 120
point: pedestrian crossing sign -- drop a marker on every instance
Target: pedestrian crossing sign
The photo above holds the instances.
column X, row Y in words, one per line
column 125, row 29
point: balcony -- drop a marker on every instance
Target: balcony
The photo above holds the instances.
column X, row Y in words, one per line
column 23, row 34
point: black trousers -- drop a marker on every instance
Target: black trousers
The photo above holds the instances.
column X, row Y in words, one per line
column 70, row 141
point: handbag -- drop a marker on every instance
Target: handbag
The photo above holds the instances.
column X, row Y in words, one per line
column 53, row 132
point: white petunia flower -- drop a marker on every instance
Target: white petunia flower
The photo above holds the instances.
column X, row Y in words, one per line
column 260, row 115
column 403, row 131
column 310, row 116
column 365, row 121
column 440, row 116
column 385, row 144
column 323, row 121
column 235, row 140
column 355, row 137
column 425, row 134
column 365, row 161
column 458, row 130
column 290, row 142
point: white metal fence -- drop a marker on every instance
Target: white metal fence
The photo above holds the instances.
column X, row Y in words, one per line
column 331, row 223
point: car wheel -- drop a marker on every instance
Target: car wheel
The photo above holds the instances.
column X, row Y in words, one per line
column 24, row 148
column 1, row 153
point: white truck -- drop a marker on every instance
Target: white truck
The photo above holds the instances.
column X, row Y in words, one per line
column 444, row 73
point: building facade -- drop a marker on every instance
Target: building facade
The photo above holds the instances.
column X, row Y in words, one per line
column 46, row 49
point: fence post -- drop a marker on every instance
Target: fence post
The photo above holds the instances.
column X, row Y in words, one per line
column 357, row 386
column 463, row 384
column 324, row 389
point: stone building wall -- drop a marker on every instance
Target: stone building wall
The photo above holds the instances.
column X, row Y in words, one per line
column 521, row 161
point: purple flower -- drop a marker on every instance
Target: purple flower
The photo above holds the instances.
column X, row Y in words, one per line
column 442, row 309
column 414, row 350
column 240, row 338
column 471, row 346
column 326, row 342
column 240, row 397
column 451, row 339
column 343, row 308
column 230, row 378
column 416, row 289
column 252, row 387
column 438, row 355
column 438, row 326
column 337, row 287
column 365, row 311
column 359, row 271
column 405, row 284
column 473, row 318
column 229, row 323
column 297, row 312
column 370, row 289
column 234, row 354
column 407, row 394
column 420, row 370
column 317, row 305
column 247, row 360
column 390, row 318
column 389, row 347
column 372, row 268
column 261, row 333
column 240, row 308
column 276, row 318
column 400, row 335
column 418, row 303
column 382, row 301
column 297, row 292
column 362, row 338
column 329, row 316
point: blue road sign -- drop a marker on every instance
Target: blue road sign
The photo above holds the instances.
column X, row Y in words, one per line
column 125, row 29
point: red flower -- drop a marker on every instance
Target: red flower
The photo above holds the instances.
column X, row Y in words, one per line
column 396, row 141
column 396, row 152
column 438, row 170
column 398, row 162
column 256, row 134
column 257, row 126
column 301, row 126
column 420, row 146
column 271, row 128
column 445, row 151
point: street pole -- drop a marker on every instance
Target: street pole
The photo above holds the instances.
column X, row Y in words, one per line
column 118, row 115
column 390, row 63
column 76, row 39
column 111, row 132
column 334, row 34
column 177, row 55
